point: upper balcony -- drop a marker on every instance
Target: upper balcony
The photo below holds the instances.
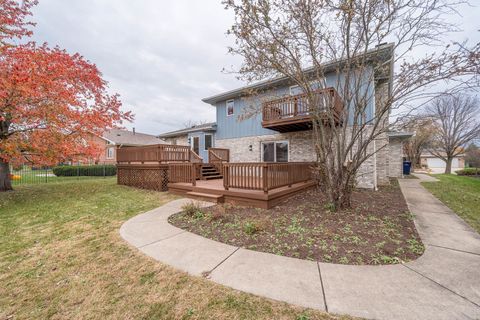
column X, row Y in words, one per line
column 293, row 113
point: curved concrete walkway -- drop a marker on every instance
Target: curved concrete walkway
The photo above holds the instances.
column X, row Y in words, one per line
column 444, row 283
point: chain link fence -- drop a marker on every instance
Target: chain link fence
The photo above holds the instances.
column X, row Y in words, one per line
column 41, row 174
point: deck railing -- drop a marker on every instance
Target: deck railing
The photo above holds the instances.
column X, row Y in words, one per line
column 217, row 157
column 160, row 153
column 265, row 176
column 183, row 172
column 297, row 106
column 194, row 157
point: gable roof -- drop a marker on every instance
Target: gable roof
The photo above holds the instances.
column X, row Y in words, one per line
column 130, row 138
column 385, row 50
column 211, row 126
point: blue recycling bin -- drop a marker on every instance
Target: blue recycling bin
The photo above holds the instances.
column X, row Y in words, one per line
column 407, row 165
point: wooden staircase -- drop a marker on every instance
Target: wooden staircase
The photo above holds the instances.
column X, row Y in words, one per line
column 209, row 172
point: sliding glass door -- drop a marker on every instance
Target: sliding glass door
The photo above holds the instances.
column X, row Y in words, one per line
column 275, row 151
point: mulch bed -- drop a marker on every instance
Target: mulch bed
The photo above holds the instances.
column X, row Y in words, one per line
column 378, row 229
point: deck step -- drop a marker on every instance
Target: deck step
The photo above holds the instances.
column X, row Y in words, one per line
column 209, row 170
column 216, row 198
column 217, row 176
column 209, row 173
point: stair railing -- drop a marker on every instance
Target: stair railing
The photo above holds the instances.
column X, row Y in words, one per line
column 217, row 157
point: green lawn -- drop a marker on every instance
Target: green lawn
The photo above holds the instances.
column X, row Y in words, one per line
column 61, row 257
column 459, row 193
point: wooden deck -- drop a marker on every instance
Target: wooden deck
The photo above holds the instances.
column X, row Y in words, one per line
column 214, row 191
column 294, row 113
column 178, row 168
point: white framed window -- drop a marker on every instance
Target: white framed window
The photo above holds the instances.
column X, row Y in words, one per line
column 110, row 153
column 294, row 90
column 208, row 141
column 275, row 151
column 230, row 107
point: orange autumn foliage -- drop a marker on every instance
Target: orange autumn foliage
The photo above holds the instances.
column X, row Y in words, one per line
column 51, row 101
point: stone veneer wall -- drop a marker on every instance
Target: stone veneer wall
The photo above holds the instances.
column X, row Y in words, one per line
column 381, row 142
column 395, row 158
column 300, row 149
column 300, row 146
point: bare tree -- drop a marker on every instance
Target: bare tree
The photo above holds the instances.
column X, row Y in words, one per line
column 190, row 123
column 457, row 124
column 317, row 44
column 423, row 129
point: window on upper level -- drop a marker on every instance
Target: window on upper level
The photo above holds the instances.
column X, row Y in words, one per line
column 230, row 105
column 294, row 90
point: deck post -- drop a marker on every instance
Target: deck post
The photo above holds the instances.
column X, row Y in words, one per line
column 289, row 175
column 194, row 174
column 225, row 176
column 265, row 178
column 295, row 106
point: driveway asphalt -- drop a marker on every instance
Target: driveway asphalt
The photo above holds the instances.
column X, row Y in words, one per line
column 444, row 283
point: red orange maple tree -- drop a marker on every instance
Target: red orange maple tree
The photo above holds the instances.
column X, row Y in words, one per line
column 51, row 102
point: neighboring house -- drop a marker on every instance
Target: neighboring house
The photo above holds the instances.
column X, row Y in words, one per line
column 198, row 137
column 118, row 138
column 281, row 136
column 435, row 164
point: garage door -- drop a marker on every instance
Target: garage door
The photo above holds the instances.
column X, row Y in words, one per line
column 439, row 163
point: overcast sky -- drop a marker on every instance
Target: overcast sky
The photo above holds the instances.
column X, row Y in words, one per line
column 161, row 56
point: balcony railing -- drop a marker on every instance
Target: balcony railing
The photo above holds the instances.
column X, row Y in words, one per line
column 294, row 113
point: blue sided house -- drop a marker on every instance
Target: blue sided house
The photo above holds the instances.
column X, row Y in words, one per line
column 269, row 122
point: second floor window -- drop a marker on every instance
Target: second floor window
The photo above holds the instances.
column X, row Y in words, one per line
column 230, row 104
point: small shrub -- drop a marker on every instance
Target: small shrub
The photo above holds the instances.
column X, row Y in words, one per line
column 414, row 246
column 198, row 215
column 192, row 209
column 329, row 207
column 92, row 171
column 303, row 316
column 218, row 213
column 255, row 226
column 249, row 228
column 389, row 260
column 468, row 172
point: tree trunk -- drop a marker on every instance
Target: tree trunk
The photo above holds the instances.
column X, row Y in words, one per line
column 448, row 168
column 5, row 182
column 340, row 194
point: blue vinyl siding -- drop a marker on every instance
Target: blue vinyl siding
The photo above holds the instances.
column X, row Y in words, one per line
column 232, row 127
column 201, row 134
